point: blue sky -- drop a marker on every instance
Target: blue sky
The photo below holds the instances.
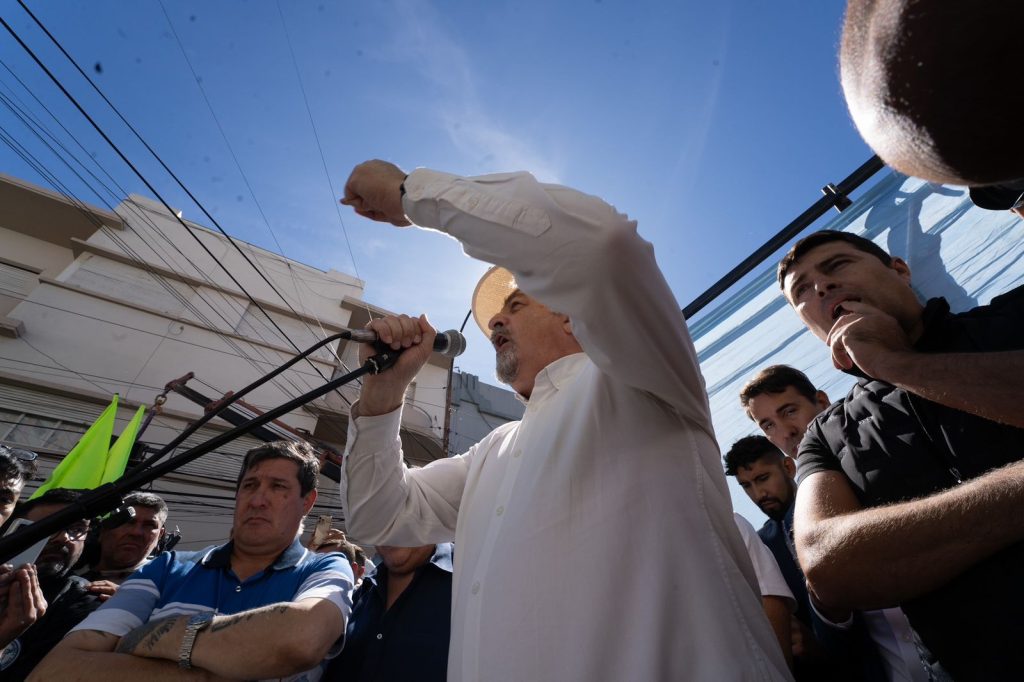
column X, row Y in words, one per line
column 713, row 124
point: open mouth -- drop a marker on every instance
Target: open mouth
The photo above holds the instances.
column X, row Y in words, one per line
column 499, row 341
column 838, row 310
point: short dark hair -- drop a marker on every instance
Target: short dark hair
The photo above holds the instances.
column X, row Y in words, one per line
column 149, row 501
column 748, row 450
column 298, row 451
column 51, row 496
column 348, row 549
column 820, row 237
column 776, row 379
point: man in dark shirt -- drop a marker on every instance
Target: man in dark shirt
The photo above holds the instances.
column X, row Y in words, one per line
column 401, row 619
column 43, row 601
column 911, row 487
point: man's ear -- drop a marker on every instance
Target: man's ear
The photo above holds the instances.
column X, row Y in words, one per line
column 821, row 400
column 789, row 465
column 902, row 268
column 566, row 324
column 308, row 503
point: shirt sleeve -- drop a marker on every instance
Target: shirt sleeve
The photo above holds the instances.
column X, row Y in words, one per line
column 386, row 501
column 331, row 580
column 814, row 454
column 133, row 602
column 577, row 255
column 769, row 576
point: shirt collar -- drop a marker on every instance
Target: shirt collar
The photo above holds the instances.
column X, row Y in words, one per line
column 220, row 557
column 443, row 558
column 936, row 311
column 557, row 375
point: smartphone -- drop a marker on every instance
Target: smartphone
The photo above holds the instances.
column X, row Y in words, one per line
column 30, row 555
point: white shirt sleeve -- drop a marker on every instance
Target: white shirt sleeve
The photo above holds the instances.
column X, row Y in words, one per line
column 384, row 500
column 769, row 576
column 577, row 255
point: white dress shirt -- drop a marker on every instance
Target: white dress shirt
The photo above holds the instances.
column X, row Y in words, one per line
column 614, row 456
column 766, row 568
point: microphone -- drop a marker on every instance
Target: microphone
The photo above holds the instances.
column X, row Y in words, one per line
column 450, row 344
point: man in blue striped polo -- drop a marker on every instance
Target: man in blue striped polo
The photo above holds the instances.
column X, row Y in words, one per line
column 260, row 606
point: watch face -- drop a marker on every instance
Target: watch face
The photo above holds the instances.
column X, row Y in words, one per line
column 200, row 620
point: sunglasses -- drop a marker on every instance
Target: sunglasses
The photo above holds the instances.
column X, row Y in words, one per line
column 23, row 455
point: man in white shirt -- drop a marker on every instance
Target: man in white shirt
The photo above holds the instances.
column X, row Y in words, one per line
column 616, row 442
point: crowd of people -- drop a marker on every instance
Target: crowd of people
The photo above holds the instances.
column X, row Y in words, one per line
column 595, row 539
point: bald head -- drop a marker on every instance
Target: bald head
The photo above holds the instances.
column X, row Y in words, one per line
column 934, row 86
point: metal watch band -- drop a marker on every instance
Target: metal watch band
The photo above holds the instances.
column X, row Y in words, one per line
column 188, row 642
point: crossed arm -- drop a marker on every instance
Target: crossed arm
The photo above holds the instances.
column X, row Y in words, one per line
column 857, row 559
column 271, row 641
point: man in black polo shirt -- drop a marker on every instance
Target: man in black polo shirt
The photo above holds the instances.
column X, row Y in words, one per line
column 911, row 489
column 401, row 619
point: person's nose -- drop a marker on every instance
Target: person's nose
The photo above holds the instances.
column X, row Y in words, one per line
column 497, row 322
column 823, row 285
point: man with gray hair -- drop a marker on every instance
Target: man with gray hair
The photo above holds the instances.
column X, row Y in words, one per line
column 260, row 606
column 616, row 441
column 125, row 546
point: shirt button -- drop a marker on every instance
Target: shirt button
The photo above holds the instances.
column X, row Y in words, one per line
column 238, row 589
column 500, row 510
column 476, row 587
column 380, row 635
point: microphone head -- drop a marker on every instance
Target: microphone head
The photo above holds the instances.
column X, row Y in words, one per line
column 450, row 344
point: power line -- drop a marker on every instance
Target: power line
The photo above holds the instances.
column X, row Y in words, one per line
column 142, row 178
column 39, row 167
column 183, row 187
column 248, row 185
column 316, row 137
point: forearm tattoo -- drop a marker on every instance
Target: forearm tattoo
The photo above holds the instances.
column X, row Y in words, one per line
column 228, row 621
column 145, row 637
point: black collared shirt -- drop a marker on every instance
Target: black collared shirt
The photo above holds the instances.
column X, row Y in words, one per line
column 894, row 446
column 407, row 642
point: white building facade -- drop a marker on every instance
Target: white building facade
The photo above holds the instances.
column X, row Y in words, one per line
column 94, row 302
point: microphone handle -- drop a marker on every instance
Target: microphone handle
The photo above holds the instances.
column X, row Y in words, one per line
column 450, row 343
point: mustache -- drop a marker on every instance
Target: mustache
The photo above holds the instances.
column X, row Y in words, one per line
column 767, row 500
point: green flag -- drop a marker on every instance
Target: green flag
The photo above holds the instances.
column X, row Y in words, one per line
column 83, row 467
column 117, row 458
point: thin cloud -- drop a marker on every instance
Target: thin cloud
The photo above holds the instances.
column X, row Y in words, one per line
column 474, row 131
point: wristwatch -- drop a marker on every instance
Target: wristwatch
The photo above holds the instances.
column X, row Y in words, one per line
column 196, row 623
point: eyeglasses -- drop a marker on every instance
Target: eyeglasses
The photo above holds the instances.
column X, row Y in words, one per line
column 76, row 531
column 23, row 455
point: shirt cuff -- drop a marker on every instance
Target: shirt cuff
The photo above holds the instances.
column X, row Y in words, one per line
column 380, row 428
column 845, row 625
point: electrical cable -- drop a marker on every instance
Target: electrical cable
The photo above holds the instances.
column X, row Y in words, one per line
column 141, row 177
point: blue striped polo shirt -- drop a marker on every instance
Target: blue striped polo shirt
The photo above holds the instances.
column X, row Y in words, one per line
column 185, row 583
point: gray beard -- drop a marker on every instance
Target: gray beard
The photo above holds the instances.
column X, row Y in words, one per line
column 506, row 364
